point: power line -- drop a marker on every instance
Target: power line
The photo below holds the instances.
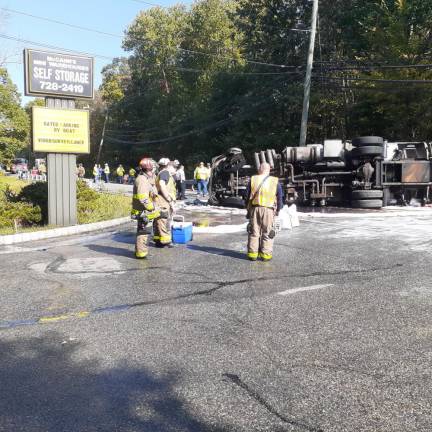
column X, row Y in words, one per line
column 232, row 58
column 43, row 45
column 239, row 73
column 394, row 81
column 92, row 30
column 149, row 4
column 329, row 85
column 262, row 103
column 62, row 23
column 211, row 126
column 373, row 66
column 118, row 36
column 191, row 121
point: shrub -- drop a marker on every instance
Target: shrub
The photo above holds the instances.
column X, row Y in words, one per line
column 36, row 194
column 30, row 205
column 19, row 214
column 95, row 207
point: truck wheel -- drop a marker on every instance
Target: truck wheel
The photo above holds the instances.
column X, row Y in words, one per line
column 368, row 141
column 366, row 194
column 367, row 151
column 367, row 203
column 213, row 200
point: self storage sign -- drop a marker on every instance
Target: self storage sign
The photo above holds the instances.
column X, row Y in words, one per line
column 59, row 75
column 60, row 130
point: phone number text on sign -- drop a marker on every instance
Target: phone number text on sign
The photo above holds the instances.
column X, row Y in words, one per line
column 53, row 74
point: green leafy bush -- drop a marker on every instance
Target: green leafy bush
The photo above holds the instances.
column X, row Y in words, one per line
column 18, row 214
column 36, row 194
column 87, row 201
column 30, row 206
column 96, row 207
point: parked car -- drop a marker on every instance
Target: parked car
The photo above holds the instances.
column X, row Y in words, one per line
column 19, row 164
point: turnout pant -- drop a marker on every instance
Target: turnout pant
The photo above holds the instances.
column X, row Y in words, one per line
column 259, row 242
column 142, row 239
column 162, row 229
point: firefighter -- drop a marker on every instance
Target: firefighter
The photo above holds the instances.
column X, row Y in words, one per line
column 165, row 201
column 265, row 199
column 143, row 206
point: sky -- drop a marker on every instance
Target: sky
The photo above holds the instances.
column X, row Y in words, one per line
column 112, row 16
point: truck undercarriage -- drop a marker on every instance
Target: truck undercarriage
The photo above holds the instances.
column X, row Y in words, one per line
column 367, row 172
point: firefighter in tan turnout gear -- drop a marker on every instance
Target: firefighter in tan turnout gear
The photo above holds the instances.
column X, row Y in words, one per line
column 166, row 190
column 143, row 206
column 265, row 199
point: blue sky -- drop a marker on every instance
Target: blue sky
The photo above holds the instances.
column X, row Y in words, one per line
column 112, row 16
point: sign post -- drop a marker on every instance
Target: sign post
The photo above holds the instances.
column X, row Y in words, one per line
column 59, row 129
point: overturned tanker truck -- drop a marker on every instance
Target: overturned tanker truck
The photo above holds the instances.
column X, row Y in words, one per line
column 367, row 172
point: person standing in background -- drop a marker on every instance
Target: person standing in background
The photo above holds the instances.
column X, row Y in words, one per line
column 201, row 176
column 96, row 173
column 120, row 173
column 81, row 171
column 181, row 183
column 107, row 172
column 132, row 174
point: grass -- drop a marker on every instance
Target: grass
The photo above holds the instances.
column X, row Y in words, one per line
column 15, row 184
column 21, row 230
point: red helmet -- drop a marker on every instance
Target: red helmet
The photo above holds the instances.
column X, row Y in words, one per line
column 146, row 164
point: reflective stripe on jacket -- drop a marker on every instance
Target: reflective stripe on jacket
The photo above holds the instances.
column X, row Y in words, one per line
column 266, row 197
column 143, row 196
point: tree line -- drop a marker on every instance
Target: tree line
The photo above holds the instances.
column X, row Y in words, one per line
column 229, row 73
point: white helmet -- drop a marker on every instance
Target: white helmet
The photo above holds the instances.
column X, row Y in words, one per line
column 163, row 161
column 176, row 163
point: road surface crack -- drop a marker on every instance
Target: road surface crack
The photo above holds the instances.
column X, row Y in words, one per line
column 235, row 379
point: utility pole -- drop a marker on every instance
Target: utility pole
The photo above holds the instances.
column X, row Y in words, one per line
column 307, row 84
column 102, row 137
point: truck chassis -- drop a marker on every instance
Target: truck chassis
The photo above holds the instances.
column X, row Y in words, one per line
column 367, row 172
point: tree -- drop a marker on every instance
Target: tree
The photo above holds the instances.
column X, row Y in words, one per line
column 14, row 121
column 224, row 73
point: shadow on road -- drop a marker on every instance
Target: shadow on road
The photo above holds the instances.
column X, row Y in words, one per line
column 218, row 251
column 109, row 250
column 44, row 387
column 124, row 237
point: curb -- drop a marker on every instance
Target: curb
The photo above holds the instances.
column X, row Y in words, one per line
column 60, row 232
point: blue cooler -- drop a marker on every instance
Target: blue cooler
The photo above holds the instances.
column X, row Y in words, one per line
column 181, row 231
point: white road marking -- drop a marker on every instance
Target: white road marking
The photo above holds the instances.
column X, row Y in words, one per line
column 306, row 288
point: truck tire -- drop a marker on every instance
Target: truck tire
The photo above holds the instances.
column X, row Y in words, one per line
column 367, row 151
column 213, row 200
column 368, row 141
column 366, row 194
column 367, row 203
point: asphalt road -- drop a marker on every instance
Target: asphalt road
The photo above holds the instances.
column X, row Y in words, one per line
column 334, row 335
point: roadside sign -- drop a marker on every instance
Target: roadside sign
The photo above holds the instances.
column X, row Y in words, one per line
column 60, row 130
column 55, row 74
